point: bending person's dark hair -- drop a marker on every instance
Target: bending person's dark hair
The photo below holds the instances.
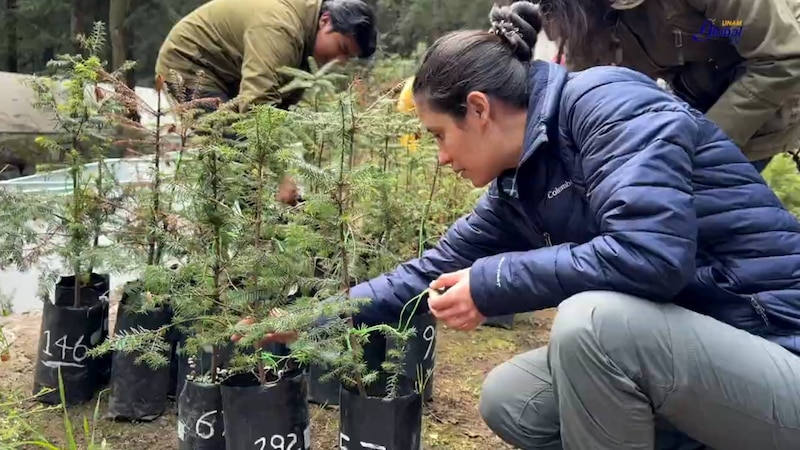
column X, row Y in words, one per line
column 494, row 62
column 584, row 27
column 354, row 18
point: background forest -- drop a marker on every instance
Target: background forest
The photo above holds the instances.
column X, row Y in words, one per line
column 373, row 188
column 35, row 31
column 372, row 183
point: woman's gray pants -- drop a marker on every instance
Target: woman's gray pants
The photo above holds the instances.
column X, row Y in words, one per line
column 625, row 373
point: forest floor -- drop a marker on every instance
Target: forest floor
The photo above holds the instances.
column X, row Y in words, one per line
column 451, row 420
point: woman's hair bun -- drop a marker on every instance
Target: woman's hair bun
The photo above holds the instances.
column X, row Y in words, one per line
column 518, row 25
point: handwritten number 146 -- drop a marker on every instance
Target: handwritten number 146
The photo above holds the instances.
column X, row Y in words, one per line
column 78, row 351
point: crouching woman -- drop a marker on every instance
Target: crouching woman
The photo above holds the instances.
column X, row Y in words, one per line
column 674, row 267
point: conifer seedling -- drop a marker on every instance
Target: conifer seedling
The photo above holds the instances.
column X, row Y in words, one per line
column 69, row 224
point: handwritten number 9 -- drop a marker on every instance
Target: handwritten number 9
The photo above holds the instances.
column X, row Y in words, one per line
column 428, row 335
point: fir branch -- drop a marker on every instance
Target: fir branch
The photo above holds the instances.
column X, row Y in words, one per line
column 149, row 345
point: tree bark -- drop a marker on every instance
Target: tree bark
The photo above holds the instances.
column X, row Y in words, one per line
column 118, row 12
column 121, row 43
column 78, row 24
column 12, row 63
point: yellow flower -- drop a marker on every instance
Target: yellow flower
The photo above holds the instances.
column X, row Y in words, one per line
column 410, row 142
column 405, row 102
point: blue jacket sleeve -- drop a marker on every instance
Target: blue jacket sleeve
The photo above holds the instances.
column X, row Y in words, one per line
column 484, row 231
column 636, row 154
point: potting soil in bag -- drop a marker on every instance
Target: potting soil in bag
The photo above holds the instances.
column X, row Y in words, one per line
column 138, row 392
column 271, row 416
column 374, row 422
column 506, row 322
column 201, row 362
column 200, row 417
column 420, row 354
column 66, row 336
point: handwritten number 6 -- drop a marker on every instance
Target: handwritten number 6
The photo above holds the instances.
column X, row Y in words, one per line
column 209, row 426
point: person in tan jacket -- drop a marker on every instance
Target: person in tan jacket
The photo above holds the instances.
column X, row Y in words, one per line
column 736, row 61
column 228, row 49
column 239, row 45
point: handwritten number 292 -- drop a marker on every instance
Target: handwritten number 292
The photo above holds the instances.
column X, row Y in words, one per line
column 278, row 442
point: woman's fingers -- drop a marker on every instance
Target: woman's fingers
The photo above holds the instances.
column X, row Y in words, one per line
column 246, row 321
column 464, row 321
column 281, row 338
column 270, row 337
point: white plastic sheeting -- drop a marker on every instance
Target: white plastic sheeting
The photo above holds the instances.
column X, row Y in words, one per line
column 22, row 287
column 126, row 170
column 19, row 116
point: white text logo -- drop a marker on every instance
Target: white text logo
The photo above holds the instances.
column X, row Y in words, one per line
column 560, row 189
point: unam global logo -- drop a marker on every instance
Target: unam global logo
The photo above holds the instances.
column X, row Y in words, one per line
column 731, row 29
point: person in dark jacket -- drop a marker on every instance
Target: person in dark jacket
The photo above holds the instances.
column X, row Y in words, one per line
column 736, row 61
column 674, row 267
column 239, row 45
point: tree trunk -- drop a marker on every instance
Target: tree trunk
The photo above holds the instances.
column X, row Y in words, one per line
column 121, row 43
column 118, row 12
column 78, row 24
column 12, row 64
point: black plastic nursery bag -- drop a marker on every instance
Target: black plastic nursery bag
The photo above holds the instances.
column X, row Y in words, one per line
column 138, row 392
column 200, row 417
column 66, row 336
column 420, row 354
column 323, row 393
column 271, row 416
column 99, row 288
column 506, row 322
column 379, row 423
column 326, row 393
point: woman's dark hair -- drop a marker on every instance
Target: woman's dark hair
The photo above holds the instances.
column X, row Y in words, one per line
column 494, row 62
column 354, row 18
column 585, row 28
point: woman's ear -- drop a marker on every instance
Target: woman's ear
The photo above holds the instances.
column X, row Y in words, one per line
column 324, row 20
column 478, row 105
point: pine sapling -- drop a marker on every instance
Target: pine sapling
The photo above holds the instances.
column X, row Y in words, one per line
column 273, row 258
column 82, row 216
column 150, row 234
column 341, row 191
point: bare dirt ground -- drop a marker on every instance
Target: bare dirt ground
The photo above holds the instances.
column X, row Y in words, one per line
column 451, row 420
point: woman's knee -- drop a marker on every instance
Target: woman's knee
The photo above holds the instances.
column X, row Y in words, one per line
column 517, row 402
column 496, row 395
column 583, row 315
column 605, row 324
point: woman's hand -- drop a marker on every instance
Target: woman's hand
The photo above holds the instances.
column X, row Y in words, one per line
column 288, row 192
column 281, row 338
column 455, row 307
